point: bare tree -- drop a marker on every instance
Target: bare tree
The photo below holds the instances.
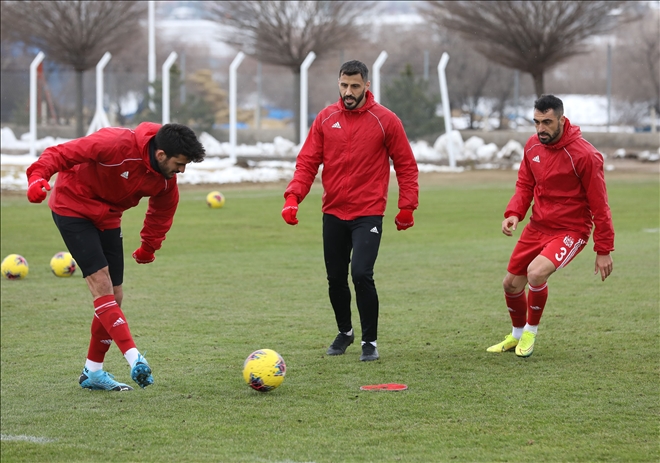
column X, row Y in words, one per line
column 469, row 76
column 475, row 82
column 637, row 51
column 531, row 36
column 75, row 33
column 283, row 32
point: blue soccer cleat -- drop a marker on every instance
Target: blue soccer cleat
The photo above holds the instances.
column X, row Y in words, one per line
column 101, row 380
column 141, row 372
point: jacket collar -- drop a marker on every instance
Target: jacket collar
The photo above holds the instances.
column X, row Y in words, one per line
column 571, row 133
column 144, row 134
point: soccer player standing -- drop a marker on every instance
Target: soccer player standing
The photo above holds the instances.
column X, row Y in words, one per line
column 354, row 139
column 563, row 174
column 99, row 177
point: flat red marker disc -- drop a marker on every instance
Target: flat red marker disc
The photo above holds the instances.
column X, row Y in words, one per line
column 384, row 387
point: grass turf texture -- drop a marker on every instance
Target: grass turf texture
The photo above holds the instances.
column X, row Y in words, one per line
column 232, row 280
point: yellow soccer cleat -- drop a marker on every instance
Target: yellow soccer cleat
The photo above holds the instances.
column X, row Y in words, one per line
column 525, row 347
column 509, row 343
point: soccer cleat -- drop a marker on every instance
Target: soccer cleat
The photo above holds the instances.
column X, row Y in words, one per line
column 141, row 372
column 101, row 380
column 369, row 352
column 509, row 343
column 525, row 347
column 339, row 345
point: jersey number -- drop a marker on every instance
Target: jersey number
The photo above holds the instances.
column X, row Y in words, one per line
column 560, row 257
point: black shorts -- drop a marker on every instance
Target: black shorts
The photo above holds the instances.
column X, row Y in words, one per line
column 92, row 248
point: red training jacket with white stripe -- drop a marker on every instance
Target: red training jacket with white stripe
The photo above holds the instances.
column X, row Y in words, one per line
column 105, row 173
column 355, row 148
column 567, row 183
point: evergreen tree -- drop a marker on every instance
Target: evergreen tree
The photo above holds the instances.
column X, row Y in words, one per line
column 196, row 112
column 409, row 98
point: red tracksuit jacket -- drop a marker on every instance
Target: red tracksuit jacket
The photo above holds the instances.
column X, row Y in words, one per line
column 567, row 183
column 105, row 173
column 355, row 148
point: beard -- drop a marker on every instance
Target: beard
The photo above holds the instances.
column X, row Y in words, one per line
column 548, row 139
column 165, row 170
column 355, row 100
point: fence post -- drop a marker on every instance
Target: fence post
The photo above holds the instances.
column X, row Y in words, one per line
column 304, row 67
column 166, row 86
column 33, row 101
column 375, row 89
column 100, row 119
column 232, row 103
column 151, row 33
column 445, row 106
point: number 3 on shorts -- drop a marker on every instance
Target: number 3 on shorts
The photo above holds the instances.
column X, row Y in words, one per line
column 560, row 255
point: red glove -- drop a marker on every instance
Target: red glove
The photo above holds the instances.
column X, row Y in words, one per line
column 35, row 191
column 404, row 219
column 290, row 210
column 144, row 254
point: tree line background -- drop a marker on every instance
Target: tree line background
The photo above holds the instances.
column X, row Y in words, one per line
column 554, row 47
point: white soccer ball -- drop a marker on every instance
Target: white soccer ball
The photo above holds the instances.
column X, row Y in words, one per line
column 215, row 200
column 63, row 265
column 14, row 267
column 264, row 370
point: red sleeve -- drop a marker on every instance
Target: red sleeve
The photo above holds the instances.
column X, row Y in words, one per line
column 307, row 163
column 405, row 165
column 522, row 198
column 66, row 155
column 159, row 217
column 593, row 181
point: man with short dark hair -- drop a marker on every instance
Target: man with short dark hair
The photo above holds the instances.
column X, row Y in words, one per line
column 563, row 174
column 354, row 139
column 99, row 177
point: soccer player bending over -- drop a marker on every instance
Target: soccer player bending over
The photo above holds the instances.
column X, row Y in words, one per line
column 563, row 174
column 99, row 177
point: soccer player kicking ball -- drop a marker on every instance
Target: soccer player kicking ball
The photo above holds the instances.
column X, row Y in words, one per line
column 563, row 174
column 100, row 176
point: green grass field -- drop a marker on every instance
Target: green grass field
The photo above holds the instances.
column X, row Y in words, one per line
column 233, row 280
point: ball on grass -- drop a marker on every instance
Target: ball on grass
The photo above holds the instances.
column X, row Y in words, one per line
column 63, row 265
column 264, row 370
column 14, row 267
column 215, row 200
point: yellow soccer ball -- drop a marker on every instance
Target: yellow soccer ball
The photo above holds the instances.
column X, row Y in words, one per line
column 63, row 265
column 264, row 370
column 14, row 267
column 215, row 200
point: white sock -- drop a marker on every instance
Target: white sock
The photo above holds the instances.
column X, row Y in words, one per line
column 93, row 366
column 350, row 333
column 373, row 343
column 531, row 328
column 517, row 332
column 131, row 355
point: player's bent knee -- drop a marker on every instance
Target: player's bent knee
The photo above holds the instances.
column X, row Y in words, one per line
column 539, row 271
column 510, row 288
column 537, row 277
column 513, row 284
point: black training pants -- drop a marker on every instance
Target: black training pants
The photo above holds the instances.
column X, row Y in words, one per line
column 362, row 237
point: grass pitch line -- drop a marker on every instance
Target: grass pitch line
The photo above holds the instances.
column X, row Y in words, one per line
column 22, row 438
